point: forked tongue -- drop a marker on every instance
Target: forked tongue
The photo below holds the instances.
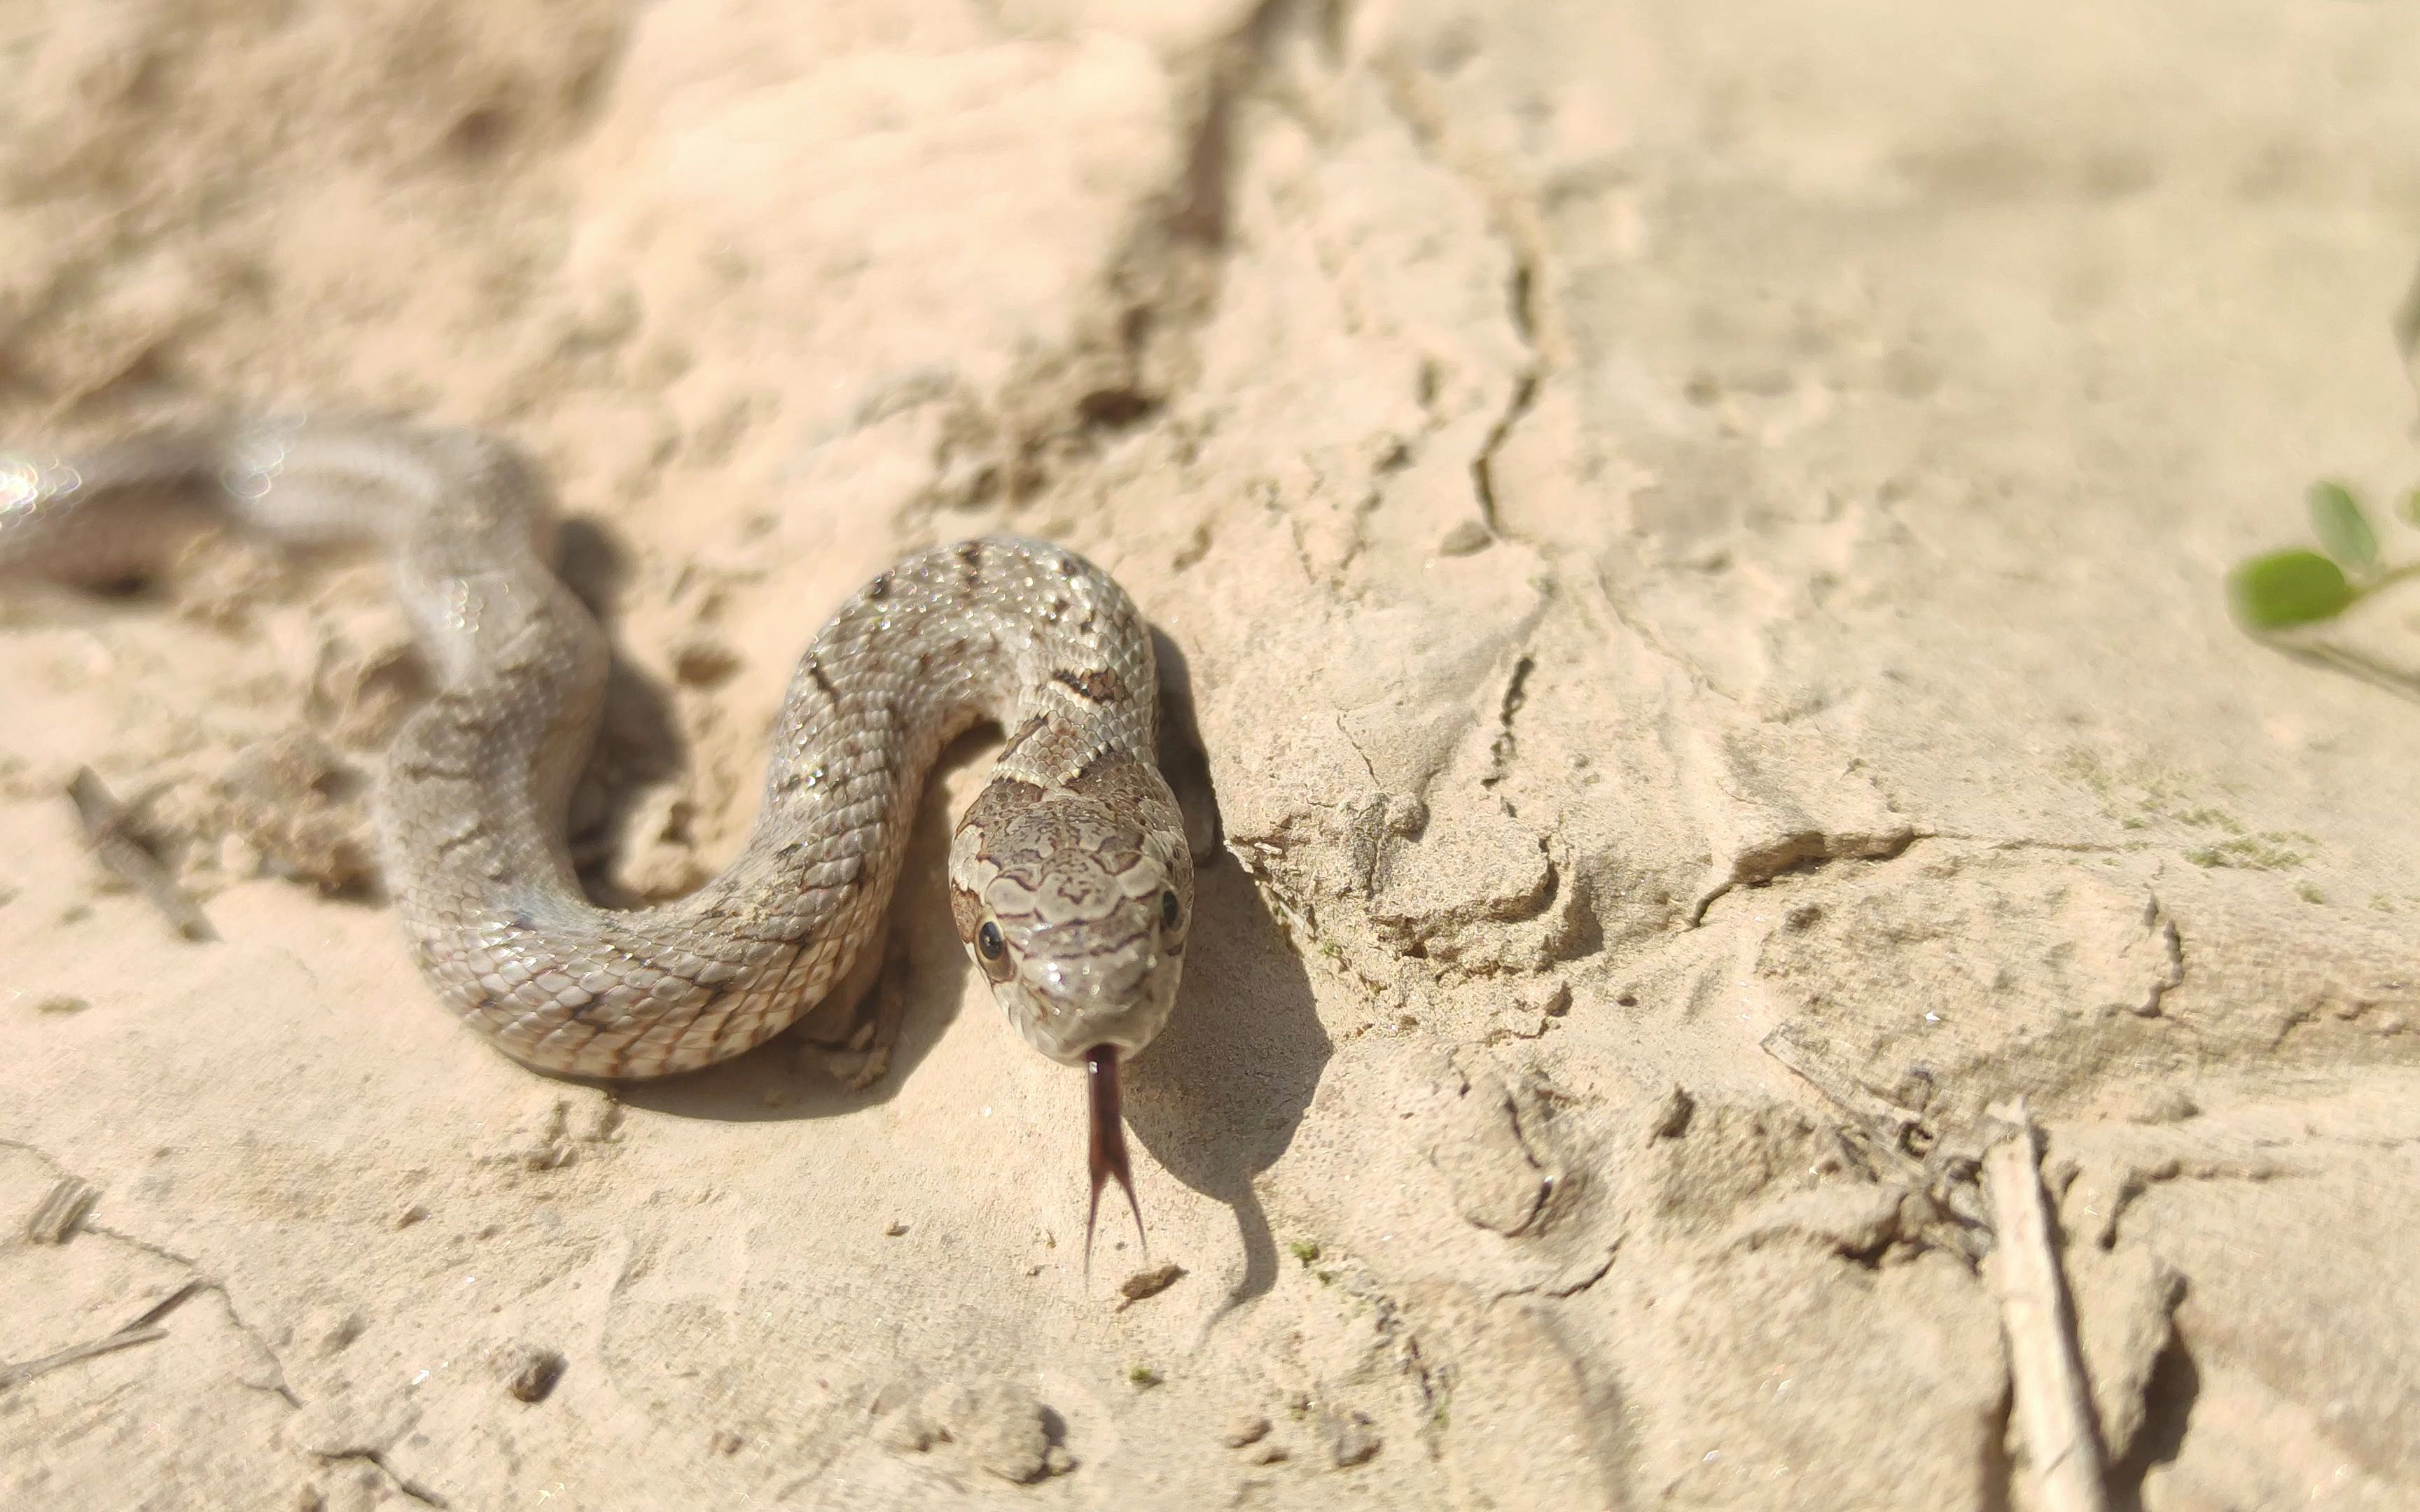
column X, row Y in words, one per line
column 1108, row 1145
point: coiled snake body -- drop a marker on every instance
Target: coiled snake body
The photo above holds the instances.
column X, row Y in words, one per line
column 1070, row 879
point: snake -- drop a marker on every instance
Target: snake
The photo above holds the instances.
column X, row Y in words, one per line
column 1070, row 878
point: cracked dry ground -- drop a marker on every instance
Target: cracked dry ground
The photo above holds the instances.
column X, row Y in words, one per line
column 1695, row 540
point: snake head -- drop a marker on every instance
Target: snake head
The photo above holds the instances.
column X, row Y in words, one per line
column 1075, row 905
column 1074, row 901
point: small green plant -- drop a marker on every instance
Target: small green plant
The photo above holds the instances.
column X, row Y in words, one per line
column 2282, row 590
column 1142, row 1377
column 1305, row 1250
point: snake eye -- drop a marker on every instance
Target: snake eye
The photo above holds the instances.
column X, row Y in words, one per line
column 1172, row 909
column 993, row 947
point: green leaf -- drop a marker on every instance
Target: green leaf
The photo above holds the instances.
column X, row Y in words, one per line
column 2288, row 588
column 2343, row 530
column 2412, row 507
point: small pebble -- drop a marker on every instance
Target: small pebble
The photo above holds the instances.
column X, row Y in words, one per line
column 703, row 662
column 1355, row 1441
column 328, row 1332
column 1465, row 539
column 1248, row 1427
column 530, row 1374
column 1671, row 1117
column 895, row 1230
column 1149, row 1284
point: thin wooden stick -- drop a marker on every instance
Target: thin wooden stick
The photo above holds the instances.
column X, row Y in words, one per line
column 2054, row 1407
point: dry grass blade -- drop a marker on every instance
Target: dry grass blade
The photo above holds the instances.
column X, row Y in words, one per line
column 106, row 830
column 63, row 1211
column 17, row 1375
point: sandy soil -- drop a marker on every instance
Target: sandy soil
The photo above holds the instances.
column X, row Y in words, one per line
column 1696, row 535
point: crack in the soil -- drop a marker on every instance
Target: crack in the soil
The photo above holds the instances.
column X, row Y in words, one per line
column 2025, row 842
column 1653, row 639
column 2140, row 1179
column 201, row 1281
column 2172, row 943
column 204, row 1281
column 1482, row 467
column 1516, row 693
column 1561, row 1290
column 378, row 1456
column 1513, row 223
column 1804, row 850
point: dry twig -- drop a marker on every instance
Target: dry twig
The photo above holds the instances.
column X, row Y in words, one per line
column 2054, row 1407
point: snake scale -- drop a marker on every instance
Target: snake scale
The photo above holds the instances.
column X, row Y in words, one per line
column 1071, row 881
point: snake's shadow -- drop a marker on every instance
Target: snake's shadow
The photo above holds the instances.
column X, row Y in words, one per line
column 639, row 742
column 1217, row 1096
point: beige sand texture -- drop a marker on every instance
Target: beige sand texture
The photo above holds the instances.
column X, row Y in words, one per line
column 1697, row 532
